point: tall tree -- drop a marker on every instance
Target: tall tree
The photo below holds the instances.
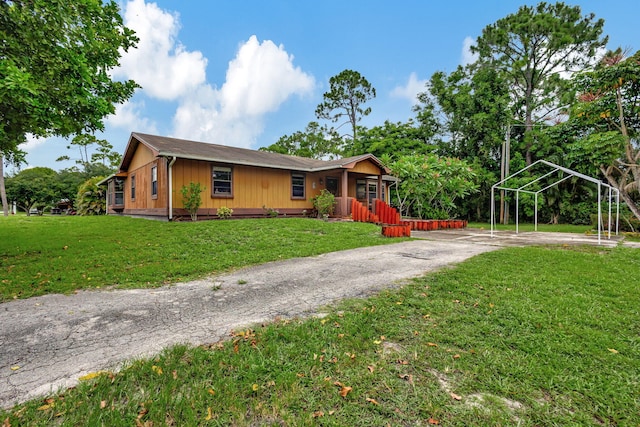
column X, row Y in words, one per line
column 103, row 154
column 395, row 139
column 55, row 58
column 316, row 142
column 472, row 105
column 534, row 48
column 607, row 123
column 32, row 187
column 471, row 109
column 346, row 98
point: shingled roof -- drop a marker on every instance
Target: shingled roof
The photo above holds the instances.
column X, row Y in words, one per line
column 163, row 146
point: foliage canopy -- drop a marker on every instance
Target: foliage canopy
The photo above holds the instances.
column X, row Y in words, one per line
column 54, row 68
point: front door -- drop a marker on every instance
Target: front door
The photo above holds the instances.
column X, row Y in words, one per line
column 332, row 185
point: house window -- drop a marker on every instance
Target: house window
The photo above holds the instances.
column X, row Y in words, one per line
column 119, row 191
column 115, row 192
column 222, row 185
column 373, row 191
column 154, row 181
column 133, row 187
column 361, row 189
column 297, row 186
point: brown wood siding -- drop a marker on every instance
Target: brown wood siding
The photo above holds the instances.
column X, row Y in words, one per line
column 142, row 156
column 253, row 187
column 140, row 166
column 367, row 167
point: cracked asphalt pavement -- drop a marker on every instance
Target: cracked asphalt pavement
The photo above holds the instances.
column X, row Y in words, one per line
column 48, row 342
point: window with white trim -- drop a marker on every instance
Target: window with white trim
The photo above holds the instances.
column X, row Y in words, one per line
column 222, row 181
column 298, row 186
column 154, row 181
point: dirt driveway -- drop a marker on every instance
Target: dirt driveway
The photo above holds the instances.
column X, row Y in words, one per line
column 49, row 342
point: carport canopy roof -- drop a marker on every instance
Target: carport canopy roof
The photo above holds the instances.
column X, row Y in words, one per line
column 553, row 169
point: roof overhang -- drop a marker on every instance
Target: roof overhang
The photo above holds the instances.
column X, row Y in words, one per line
column 106, row 180
column 304, row 164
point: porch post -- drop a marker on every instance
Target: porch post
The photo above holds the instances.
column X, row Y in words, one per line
column 344, row 193
column 379, row 190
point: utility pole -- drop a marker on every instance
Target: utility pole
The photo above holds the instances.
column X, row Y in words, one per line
column 504, row 172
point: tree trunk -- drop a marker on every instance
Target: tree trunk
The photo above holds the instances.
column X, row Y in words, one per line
column 3, row 191
column 624, row 195
column 528, row 116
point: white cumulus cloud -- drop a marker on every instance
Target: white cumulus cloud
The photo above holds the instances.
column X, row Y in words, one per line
column 130, row 116
column 259, row 79
column 32, row 142
column 410, row 90
column 467, row 57
column 160, row 64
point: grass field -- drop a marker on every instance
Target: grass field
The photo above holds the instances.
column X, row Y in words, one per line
column 555, row 228
column 45, row 254
column 532, row 336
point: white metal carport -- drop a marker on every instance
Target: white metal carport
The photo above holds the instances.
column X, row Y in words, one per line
column 553, row 169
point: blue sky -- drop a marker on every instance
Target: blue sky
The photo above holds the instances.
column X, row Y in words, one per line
column 245, row 73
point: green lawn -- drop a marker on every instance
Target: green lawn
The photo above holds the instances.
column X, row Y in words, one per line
column 48, row 254
column 556, row 228
column 534, row 336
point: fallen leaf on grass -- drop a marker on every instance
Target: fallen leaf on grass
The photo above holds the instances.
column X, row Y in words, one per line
column 92, row 375
column 103, row 404
column 255, row 387
column 613, row 350
column 318, row 414
column 209, row 414
column 142, row 413
column 455, row 396
column 371, row 368
column 370, row 400
column 433, row 421
column 157, row 369
column 46, row 407
column 6, row 422
column 432, row 344
column 344, row 390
